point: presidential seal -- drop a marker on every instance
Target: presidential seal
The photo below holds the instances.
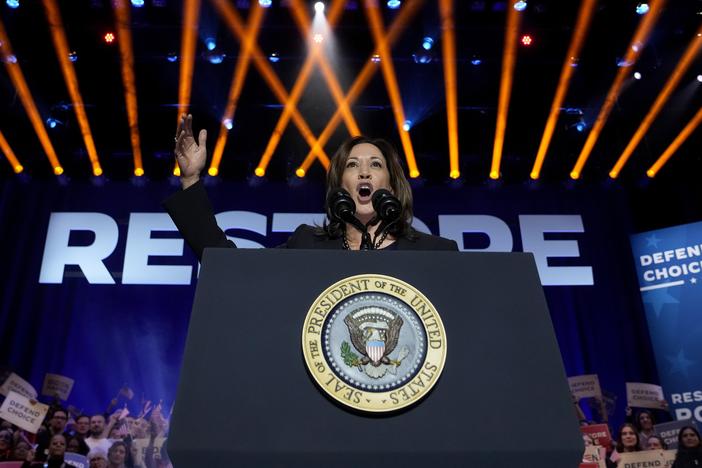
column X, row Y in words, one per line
column 374, row 343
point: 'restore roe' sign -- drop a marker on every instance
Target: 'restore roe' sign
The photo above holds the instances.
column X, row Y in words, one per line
column 59, row 252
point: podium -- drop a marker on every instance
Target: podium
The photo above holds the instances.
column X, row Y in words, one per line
column 246, row 398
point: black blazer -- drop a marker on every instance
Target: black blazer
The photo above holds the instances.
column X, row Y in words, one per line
column 192, row 214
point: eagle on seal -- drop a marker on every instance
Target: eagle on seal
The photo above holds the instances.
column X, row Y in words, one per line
column 374, row 333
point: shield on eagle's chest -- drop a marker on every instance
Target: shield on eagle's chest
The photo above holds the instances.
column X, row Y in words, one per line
column 375, row 350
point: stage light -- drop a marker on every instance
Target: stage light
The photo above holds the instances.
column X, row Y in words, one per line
column 109, row 37
column 455, row 174
column 97, row 172
column 300, row 172
column 637, row 75
column 274, row 57
column 427, row 43
column 422, row 58
column 319, row 7
column 11, row 58
column 215, row 58
column 699, row 78
column 52, row 122
column 376, row 59
column 265, row 3
column 13, row 3
column 210, row 43
column 642, row 8
column 318, row 38
column 58, row 170
column 527, row 40
column 18, row 168
column 407, row 126
column 520, row 5
column 172, row 57
column 138, row 172
column 623, row 63
column 260, row 172
column 213, row 171
column 476, row 61
column 581, row 126
column 394, row 4
column 138, row 3
column 73, row 56
column 228, row 124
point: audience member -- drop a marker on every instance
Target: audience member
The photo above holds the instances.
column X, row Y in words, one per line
column 689, row 449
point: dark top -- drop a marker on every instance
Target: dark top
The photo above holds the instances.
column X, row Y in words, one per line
column 688, row 458
column 192, row 214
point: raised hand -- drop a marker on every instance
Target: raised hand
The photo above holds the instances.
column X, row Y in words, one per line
column 191, row 155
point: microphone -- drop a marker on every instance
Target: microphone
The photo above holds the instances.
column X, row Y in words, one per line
column 343, row 208
column 386, row 205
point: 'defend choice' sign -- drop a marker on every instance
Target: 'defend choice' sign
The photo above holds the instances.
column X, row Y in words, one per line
column 669, row 268
column 140, row 245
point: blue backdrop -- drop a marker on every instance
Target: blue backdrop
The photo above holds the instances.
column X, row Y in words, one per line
column 108, row 335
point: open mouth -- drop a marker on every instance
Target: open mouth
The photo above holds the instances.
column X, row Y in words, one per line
column 364, row 191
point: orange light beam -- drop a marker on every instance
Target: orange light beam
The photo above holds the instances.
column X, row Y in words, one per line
column 679, row 140
column 408, row 11
column 302, row 19
column 377, row 29
column 191, row 19
column 680, row 69
column 17, row 77
column 10, row 155
column 240, row 71
column 509, row 57
column 58, row 34
column 632, row 54
column 587, row 8
column 231, row 17
column 448, row 41
column 124, row 36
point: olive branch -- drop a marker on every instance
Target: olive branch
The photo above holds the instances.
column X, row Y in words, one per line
column 350, row 358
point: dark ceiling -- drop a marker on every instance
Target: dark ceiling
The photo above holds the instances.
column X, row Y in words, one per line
column 480, row 26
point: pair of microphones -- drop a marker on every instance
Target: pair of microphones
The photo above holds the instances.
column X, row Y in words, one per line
column 387, row 207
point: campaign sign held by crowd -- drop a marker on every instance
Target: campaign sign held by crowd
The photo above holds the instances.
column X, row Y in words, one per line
column 669, row 431
column 585, row 386
column 642, row 395
column 57, row 386
column 17, row 384
column 23, row 412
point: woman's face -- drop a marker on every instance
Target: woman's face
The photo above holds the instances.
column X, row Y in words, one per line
column 117, row 455
column 645, row 421
column 628, row 438
column 98, row 462
column 689, row 439
column 57, row 446
column 21, row 450
column 654, row 443
column 73, row 446
column 365, row 172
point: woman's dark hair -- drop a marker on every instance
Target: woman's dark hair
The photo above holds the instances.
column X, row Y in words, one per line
column 398, row 183
column 660, row 439
column 620, row 445
column 637, row 421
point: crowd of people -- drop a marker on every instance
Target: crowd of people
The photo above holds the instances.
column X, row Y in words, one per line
column 638, row 434
column 112, row 439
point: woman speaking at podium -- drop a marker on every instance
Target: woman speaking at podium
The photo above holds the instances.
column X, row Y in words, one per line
column 368, row 206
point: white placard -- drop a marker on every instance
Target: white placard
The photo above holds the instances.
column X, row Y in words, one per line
column 17, row 384
column 643, row 395
column 57, row 386
column 585, row 386
column 657, row 458
column 22, row 412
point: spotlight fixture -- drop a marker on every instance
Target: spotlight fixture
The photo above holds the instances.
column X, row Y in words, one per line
column 637, row 75
column 274, row 57
column 422, row 58
column 376, row 59
column 476, row 60
column 52, row 122
column 215, row 58
column 319, row 7
column 138, row 3
column 228, row 124
column 265, row 3
column 407, row 126
column 172, row 57
column 318, row 38
column 527, row 40
column 73, row 56
column 12, row 3
column 210, row 43
column 520, row 5
column 427, row 43
column 581, row 126
column 109, row 37
column 394, row 4
column 699, row 78
column 642, row 8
